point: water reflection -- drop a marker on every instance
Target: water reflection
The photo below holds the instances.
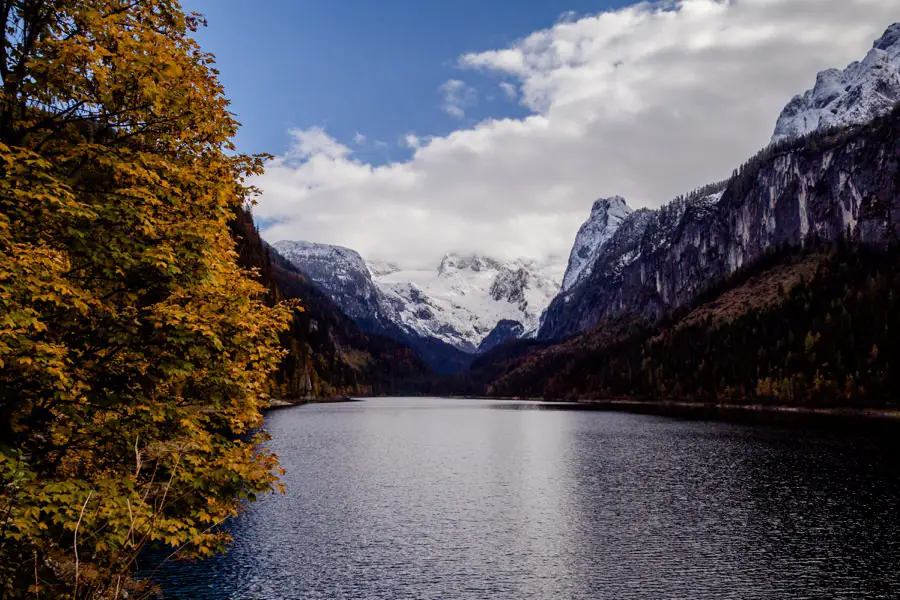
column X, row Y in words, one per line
column 464, row 499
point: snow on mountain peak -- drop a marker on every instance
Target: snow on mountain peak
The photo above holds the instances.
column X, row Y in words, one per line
column 379, row 268
column 890, row 39
column 606, row 216
column 342, row 274
column 473, row 262
column 863, row 91
column 342, row 260
column 462, row 301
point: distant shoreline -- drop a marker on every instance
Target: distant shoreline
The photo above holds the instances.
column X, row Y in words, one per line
column 670, row 407
column 714, row 411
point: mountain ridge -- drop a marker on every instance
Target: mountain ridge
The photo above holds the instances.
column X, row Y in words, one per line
column 658, row 260
column 864, row 90
column 457, row 305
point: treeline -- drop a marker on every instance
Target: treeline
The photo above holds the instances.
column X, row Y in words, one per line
column 829, row 340
column 326, row 353
column 880, row 129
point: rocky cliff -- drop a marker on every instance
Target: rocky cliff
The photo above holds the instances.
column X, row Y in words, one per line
column 831, row 183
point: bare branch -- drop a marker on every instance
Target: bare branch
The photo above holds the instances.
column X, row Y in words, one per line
column 77, row 525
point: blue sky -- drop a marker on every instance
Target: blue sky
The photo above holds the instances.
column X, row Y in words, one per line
column 603, row 98
column 367, row 66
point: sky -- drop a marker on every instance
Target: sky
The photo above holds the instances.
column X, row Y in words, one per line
column 407, row 129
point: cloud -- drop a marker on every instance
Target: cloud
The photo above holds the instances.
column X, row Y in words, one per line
column 509, row 90
column 359, row 139
column 314, row 144
column 457, row 98
column 648, row 101
column 411, row 140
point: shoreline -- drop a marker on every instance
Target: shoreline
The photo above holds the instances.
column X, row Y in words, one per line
column 667, row 408
column 679, row 408
column 676, row 408
column 282, row 403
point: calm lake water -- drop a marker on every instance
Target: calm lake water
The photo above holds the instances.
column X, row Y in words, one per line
column 431, row 498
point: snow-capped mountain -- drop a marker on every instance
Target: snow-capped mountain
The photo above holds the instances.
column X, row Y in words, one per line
column 467, row 296
column 845, row 186
column 460, row 303
column 861, row 92
column 606, row 216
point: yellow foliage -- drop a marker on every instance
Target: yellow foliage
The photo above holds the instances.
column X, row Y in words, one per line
column 134, row 353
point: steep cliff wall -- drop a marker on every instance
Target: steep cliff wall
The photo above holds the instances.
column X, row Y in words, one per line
column 826, row 185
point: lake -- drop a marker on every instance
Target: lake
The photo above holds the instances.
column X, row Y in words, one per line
column 439, row 498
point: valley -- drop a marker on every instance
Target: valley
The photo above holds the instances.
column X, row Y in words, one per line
column 411, row 300
column 639, row 284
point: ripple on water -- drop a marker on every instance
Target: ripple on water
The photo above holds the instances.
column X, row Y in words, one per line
column 431, row 498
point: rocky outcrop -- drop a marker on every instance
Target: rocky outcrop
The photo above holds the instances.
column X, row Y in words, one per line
column 864, row 90
column 606, row 216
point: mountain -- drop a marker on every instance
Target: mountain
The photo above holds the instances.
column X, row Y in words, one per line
column 606, row 216
column 344, row 277
column 832, row 182
column 861, row 92
column 776, row 286
column 619, row 282
column 825, row 186
column 457, row 305
column 505, row 331
column 813, row 328
column 463, row 300
column 328, row 354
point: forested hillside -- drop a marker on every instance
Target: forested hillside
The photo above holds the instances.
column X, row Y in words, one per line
column 816, row 328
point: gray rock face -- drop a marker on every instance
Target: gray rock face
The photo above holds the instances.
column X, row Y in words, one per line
column 505, row 331
column 606, row 216
column 816, row 187
column 510, row 285
column 343, row 275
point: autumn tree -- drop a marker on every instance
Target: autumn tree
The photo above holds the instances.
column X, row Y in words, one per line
column 134, row 352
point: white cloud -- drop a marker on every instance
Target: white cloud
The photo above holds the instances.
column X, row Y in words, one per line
column 411, row 140
column 647, row 101
column 509, row 90
column 457, row 98
column 313, row 144
column 359, row 139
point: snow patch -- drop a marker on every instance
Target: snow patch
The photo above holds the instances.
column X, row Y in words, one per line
column 861, row 92
column 606, row 216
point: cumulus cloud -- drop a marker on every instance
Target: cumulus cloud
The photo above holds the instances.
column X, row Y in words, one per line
column 648, row 101
column 457, row 98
